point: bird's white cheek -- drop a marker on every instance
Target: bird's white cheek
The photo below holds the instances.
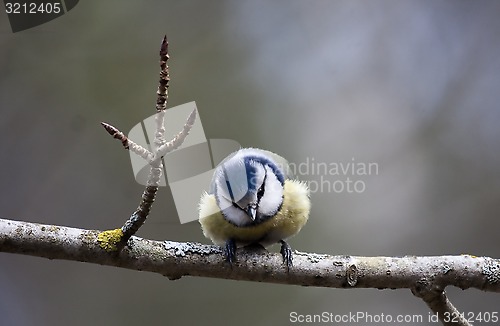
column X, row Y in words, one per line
column 273, row 196
column 236, row 216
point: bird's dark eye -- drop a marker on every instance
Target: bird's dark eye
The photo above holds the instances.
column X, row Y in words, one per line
column 262, row 189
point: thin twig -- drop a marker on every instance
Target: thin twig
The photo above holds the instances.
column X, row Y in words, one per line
column 178, row 139
column 138, row 218
column 161, row 101
column 121, row 236
column 117, row 134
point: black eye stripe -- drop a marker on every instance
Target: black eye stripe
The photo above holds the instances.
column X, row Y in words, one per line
column 262, row 188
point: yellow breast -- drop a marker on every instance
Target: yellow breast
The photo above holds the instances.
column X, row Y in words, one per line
column 287, row 222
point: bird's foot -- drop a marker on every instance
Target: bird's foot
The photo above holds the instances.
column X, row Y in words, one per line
column 286, row 252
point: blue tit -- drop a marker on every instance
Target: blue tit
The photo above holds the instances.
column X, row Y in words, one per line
column 253, row 199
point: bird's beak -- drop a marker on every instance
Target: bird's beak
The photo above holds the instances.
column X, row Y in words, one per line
column 252, row 211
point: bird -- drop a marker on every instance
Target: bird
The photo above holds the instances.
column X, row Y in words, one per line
column 254, row 198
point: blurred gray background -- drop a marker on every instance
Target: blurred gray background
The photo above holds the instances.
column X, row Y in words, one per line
column 410, row 85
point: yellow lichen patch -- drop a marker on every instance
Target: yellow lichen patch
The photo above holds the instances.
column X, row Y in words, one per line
column 109, row 239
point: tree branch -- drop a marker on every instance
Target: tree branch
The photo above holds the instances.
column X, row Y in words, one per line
column 177, row 259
